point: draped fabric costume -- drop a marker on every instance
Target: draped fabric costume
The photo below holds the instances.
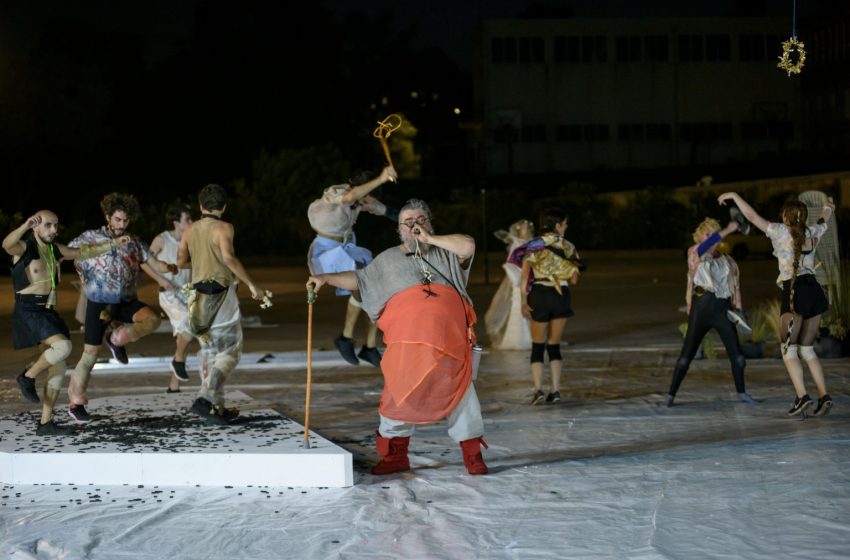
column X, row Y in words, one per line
column 427, row 328
column 506, row 327
column 214, row 316
column 174, row 301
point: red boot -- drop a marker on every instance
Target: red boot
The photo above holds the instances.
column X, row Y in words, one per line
column 472, row 455
column 393, row 452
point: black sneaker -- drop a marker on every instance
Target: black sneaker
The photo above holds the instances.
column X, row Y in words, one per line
column 800, row 405
column 346, row 349
column 27, row 387
column 79, row 413
column 179, row 369
column 668, row 400
column 118, row 352
column 537, row 398
column 553, row 397
column 824, row 404
column 202, row 407
column 371, row 355
column 169, row 390
column 53, row 429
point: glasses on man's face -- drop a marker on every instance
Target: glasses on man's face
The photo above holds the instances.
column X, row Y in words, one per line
column 410, row 222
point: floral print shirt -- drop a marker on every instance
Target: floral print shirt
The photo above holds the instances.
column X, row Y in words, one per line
column 112, row 276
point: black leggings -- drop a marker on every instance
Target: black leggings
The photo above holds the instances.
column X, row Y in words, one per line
column 709, row 312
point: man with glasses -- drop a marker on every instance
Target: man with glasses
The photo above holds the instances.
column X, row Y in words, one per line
column 416, row 292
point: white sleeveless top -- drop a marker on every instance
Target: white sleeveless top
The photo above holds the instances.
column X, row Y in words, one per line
column 169, row 255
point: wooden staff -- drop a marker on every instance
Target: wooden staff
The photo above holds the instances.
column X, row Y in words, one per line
column 383, row 131
column 311, row 297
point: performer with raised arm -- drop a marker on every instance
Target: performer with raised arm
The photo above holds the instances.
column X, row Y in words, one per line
column 35, row 275
column 109, row 281
column 416, row 292
column 214, row 316
column 713, row 291
column 335, row 249
column 802, row 300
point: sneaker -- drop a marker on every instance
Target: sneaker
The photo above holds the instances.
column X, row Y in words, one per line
column 53, row 429
column 169, row 390
column 800, row 405
column 668, row 401
column 79, row 413
column 745, row 398
column 824, row 404
column 118, row 352
column 371, row 355
column 537, row 398
column 202, row 407
column 179, row 369
column 346, row 349
column 27, row 387
column 553, row 397
column 222, row 416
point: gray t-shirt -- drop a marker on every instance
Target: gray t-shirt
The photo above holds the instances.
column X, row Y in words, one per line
column 393, row 271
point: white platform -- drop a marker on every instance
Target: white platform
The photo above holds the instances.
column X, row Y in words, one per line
column 154, row 440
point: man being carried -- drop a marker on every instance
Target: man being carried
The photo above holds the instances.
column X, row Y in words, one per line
column 109, row 282
column 214, row 317
column 416, row 292
column 35, row 274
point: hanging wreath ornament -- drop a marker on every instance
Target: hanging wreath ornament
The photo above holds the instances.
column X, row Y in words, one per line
column 793, row 56
column 793, row 50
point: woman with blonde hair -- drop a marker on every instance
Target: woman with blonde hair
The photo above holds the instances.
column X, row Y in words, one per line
column 803, row 301
column 713, row 291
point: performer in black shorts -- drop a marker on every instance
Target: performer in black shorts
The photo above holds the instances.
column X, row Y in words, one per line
column 551, row 264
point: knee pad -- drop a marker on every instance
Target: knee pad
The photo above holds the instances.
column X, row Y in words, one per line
column 225, row 362
column 554, row 351
column 58, row 351
column 146, row 325
column 55, row 375
column 808, row 353
column 537, row 349
column 741, row 362
column 352, row 301
column 790, row 353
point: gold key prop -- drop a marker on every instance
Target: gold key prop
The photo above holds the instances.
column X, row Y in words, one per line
column 383, row 131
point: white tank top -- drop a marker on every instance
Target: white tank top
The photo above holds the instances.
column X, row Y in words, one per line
column 169, row 255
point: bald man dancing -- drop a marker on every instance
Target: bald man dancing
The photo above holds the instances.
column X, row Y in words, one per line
column 35, row 274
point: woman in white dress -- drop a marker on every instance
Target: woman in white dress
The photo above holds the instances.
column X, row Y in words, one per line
column 506, row 327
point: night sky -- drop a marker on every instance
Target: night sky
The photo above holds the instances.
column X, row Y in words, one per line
column 159, row 97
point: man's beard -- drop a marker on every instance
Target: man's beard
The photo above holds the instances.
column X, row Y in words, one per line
column 410, row 243
column 114, row 232
column 46, row 241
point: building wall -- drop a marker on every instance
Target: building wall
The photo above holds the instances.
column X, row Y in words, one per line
column 563, row 95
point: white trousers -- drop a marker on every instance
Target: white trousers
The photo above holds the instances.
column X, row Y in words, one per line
column 464, row 421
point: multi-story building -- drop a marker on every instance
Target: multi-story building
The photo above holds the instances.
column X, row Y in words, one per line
column 572, row 94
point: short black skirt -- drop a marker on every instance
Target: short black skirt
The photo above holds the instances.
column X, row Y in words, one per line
column 809, row 297
column 32, row 323
column 547, row 304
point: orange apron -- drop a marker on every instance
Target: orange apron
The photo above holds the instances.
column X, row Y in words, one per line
column 428, row 364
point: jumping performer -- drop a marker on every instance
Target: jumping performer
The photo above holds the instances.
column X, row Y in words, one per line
column 551, row 265
column 802, row 298
column 110, row 282
column 506, row 327
column 214, row 316
column 416, row 292
column 172, row 298
column 35, row 275
column 335, row 249
column 713, row 290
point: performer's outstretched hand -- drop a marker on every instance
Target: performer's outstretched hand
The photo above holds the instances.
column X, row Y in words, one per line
column 256, row 293
column 389, row 174
column 727, row 196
